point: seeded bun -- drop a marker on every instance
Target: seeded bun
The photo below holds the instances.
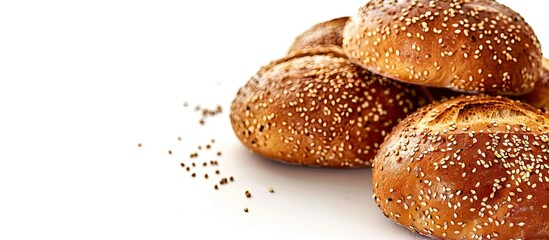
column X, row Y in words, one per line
column 319, row 110
column 324, row 34
column 439, row 94
column 473, row 46
column 539, row 98
column 473, row 167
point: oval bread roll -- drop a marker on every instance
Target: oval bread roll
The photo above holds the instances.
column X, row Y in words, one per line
column 319, row 110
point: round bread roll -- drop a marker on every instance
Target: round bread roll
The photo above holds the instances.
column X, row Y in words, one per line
column 325, row 34
column 473, row 167
column 539, row 98
column 473, row 46
column 319, row 110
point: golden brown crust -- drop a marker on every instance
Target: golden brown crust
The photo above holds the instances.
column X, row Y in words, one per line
column 319, row 110
column 473, row 167
column 539, row 97
column 327, row 34
column 473, row 46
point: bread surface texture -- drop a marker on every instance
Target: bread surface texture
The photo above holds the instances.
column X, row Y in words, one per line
column 539, row 97
column 328, row 33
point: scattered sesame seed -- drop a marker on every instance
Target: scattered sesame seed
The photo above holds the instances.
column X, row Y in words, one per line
column 223, row 181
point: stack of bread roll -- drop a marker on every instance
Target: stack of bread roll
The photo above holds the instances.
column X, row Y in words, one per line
column 447, row 100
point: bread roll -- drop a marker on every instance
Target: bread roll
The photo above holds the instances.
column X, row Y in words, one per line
column 319, row 110
column 472, row 46
column 539, row 98
column 472, row 167
column 324, row 34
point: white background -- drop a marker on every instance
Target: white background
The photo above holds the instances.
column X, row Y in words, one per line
column 83, row 82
